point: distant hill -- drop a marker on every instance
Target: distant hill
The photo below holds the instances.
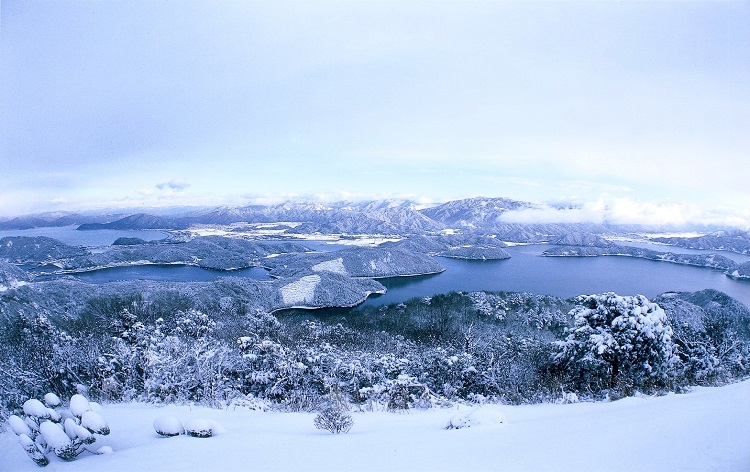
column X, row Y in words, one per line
column 479, row 215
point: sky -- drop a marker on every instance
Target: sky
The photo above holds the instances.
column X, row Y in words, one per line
column 641, row 107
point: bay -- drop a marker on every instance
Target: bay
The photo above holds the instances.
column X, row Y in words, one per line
column 528, row 271
column 101, row 237
column 165, row 273
column 738, row 258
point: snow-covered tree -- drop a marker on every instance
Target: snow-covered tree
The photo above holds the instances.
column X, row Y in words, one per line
column 618, row 342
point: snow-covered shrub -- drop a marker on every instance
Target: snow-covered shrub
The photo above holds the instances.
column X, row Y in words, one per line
column 79, row 405
column 58, row 442
column 712, row 335
column 511, row 368
column 334, row 420
column 36, row 409
column 52, row 400
column 33, row 450
column 200, row 428
column 335, row 417
column 399, row 396
column 406, row 392
column 67, row 433
column 620, row 343
column 74, row 430
column 186, row 369
column 453, row 372
column 19, row 426
column 37, row 357
column 94, row 422
column 194, row 324
column 568, row 397
column 168, row 426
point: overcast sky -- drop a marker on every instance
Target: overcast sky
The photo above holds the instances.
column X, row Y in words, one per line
column 128, row 103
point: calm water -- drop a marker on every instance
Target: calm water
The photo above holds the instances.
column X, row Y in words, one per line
column 167, row 273
column 69, row 235
column 526, row 271
column 739, row 258
column 564, row 277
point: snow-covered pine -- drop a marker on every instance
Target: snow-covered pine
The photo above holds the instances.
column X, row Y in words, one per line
column 33, row 450
column 620, row 342
column 168, row 426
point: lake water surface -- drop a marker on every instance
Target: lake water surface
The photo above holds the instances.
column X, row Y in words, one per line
column 526, row 271
column 101, row 237
column 167, row 273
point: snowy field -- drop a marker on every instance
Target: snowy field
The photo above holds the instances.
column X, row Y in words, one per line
column 705, row 430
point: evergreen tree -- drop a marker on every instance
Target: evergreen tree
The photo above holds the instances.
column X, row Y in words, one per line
column 620, row 343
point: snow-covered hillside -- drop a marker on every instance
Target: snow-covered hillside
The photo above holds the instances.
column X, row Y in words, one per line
column 707, row 430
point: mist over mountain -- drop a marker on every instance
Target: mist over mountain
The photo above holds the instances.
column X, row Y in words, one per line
column 509, row 219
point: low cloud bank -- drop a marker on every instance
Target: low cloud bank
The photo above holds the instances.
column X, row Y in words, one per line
column 626, row 211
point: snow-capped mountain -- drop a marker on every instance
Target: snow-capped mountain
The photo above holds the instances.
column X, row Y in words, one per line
column 478, row 212
column 479, row 215
column 53, row 219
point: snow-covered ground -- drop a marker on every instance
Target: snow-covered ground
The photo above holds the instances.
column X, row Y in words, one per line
column 300, row 291
column 263, row 230
column 705, row 430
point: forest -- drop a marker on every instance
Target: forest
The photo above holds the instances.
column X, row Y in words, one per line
column 211, row 348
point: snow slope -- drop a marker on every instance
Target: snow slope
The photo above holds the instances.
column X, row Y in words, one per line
column 300, row 291
column 706, row 430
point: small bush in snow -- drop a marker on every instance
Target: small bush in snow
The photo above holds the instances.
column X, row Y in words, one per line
column 199, row 428
column 52, row 400
column 94, row 422
column 399, row 397
column 568, row 397
column 33, row 450
column 334, row 420
column 168, row 426
column 42, row 430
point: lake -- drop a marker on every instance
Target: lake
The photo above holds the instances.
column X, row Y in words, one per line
column 165, row 273
column 739, row 258
column 526, row 271
column 69, row 235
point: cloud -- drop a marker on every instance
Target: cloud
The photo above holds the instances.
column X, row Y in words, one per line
column 174, row 184
column 332, row 197
column 626, row 211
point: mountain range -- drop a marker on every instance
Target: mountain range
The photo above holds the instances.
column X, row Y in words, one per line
column 479, row 215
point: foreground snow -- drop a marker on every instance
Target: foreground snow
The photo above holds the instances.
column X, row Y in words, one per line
column 707, row 430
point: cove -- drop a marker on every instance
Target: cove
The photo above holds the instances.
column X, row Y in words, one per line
column 527, row 271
